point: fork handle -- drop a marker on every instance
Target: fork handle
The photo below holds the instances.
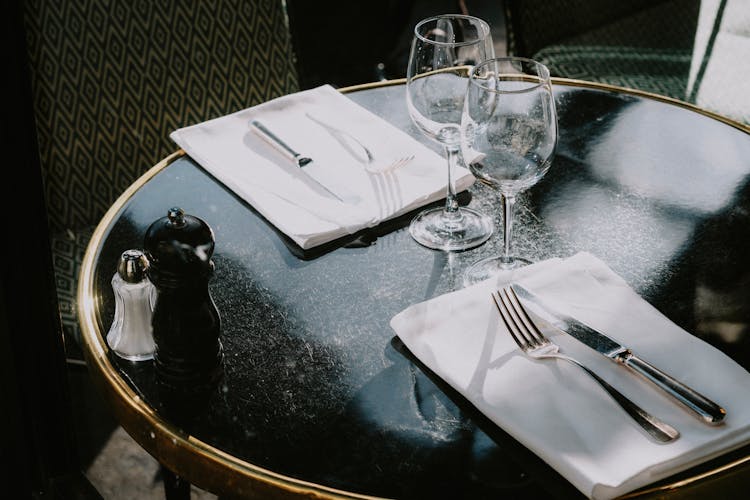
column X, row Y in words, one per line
column 655, row 428
column 346, row 140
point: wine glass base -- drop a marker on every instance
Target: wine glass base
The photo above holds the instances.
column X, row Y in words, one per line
column 432, row 229
column 492, row 267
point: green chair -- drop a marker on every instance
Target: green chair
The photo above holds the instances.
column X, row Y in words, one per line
column 640, row 44
column 112, row 78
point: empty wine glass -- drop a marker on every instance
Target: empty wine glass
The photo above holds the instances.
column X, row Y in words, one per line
column 508, row 139
column 444, row 50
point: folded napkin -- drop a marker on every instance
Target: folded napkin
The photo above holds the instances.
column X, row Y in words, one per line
column 553, row 407
column 228, row 149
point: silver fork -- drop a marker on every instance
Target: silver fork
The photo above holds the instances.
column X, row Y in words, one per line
column 533, row 342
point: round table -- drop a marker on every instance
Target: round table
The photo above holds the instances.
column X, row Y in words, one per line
column 321, row 400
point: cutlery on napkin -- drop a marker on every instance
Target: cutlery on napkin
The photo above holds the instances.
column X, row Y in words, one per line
column 702, row 407
column 559, row 413
column 305, row 163
column 228, row 149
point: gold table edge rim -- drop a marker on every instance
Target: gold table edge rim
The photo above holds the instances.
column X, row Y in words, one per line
column 213, row 458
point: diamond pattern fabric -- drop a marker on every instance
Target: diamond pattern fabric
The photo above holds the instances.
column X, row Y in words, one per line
column 112, row 78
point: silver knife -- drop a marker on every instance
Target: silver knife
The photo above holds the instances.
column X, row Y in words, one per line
column 281, row 146
column 708, row 411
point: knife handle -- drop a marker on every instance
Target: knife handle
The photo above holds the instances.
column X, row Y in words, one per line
column 708, row 411
column 274, row 140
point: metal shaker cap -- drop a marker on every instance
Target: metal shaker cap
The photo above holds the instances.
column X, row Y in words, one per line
column 132, row 266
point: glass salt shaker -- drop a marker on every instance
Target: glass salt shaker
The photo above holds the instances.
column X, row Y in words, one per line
column 130, row 335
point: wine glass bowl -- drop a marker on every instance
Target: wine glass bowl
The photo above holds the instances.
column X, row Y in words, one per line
column 444, row 51
column 508, row 139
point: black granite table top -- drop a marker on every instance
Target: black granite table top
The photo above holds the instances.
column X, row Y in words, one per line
column 320, row 396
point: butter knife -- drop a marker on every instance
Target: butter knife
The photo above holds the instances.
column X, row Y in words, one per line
column 705, row 409
column 281, row 146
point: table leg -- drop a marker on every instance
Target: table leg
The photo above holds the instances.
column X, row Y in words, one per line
column 175, row 488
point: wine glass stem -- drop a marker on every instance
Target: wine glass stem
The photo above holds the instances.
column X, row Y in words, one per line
column 451, row 211
column 509, row 203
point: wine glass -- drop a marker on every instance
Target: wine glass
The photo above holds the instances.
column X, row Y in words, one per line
column 444, row 50
column 508, row 138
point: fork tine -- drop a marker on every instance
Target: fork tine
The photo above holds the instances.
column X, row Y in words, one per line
column 523, row 328
column 510, row 325
column 535, row 335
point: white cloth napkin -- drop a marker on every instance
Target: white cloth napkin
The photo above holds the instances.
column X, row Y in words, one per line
column 552, row 406
column 228, row 149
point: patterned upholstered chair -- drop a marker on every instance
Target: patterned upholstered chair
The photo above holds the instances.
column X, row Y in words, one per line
column 691, row 50
column 641, row 44
column 112, row 78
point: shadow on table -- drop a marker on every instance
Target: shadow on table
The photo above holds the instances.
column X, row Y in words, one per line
column 360, row 239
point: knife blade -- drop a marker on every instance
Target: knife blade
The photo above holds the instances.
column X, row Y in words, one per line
column 702, row 407
column 304, row 163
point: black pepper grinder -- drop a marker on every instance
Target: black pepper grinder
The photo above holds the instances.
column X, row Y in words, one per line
column 188, row 357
